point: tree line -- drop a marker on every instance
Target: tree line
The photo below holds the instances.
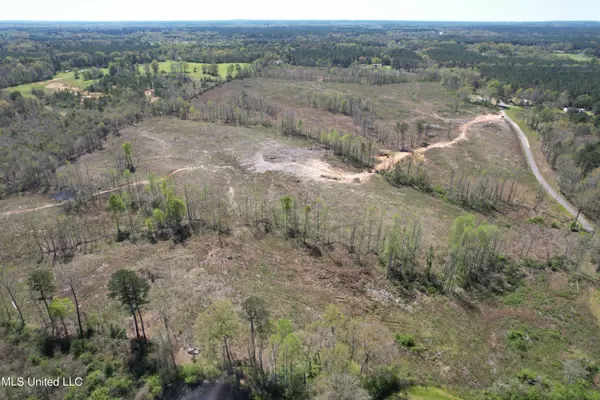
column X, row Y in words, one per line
column 480, row 192
column 571, row 148
column 29, row 159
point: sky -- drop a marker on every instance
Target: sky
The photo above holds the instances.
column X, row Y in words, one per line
column 419, row 10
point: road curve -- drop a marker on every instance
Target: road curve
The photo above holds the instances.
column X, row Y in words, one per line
column 538, row 175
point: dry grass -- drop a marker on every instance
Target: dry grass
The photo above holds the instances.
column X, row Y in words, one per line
column 409, row 102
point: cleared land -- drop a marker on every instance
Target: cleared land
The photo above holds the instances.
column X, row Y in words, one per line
column 575, row 57
column 465, row 340
column 194, row 69
column 62, row 81
column 408, row 102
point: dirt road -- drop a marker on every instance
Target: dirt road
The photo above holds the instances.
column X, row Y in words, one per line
column 101, row 192
column 538, row 175
column 310, row 167
column 387, row 162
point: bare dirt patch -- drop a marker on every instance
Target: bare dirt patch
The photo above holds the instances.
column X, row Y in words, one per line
column 58, row 85
column 306, row 163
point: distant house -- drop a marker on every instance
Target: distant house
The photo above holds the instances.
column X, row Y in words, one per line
column 574, row 110
column 278, row 62
column 377, row 65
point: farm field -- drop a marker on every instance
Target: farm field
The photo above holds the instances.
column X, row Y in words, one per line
column 575, row 57
column 61, row 81
column 66, row 80
column 194, row 69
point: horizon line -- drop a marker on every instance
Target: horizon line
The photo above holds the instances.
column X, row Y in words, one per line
column 286, row 20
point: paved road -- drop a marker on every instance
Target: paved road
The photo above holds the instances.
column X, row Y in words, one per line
column 534, row 168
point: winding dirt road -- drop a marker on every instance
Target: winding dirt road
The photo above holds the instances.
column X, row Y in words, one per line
column 538, row 175
column 99, row 193
column 312, row 169
column 387, row 162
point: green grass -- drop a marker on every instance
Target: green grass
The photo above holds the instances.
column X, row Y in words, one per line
column 539, row 220
column 69, row 79
column 574, row 57
column 166, row 67
column 515, row 298
column 66, row 78
column 429, row 393
column 26, row 88
column 515, row 114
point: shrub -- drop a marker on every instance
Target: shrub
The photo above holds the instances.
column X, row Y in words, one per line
column 527, row 376
column 116, row 332
column 555, row 263
column 109, row 368
column 80, row 346
column 405, row 340
column 517, row 340
column 86, row 358
column 555, row 225
column 95, row 378
column 513, row 299
column 119, row 386
column 539, row 220
column 76, row 393
column 385, row 382
column 574, row 226
column 36, row 360
column 194, row 373
column 94, row 365
column 101, row 393
column 154, row 385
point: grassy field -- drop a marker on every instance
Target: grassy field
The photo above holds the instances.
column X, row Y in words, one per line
column 66, row 80
column 575, row 57
column 62, row 80
column 408, row 102
column 166, row 67
column 428, row 393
